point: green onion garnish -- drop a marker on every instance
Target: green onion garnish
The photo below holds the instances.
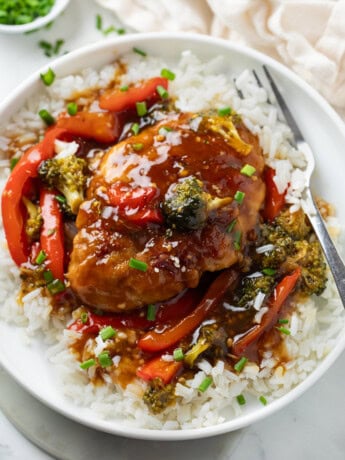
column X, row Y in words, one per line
column 84, row 317
column 263, row 400
column 72, row 108
column 138, row 264
column 121, row 31
column 237, row 240
column 105, row 359
column 41, row 257
column 137, row 146
column 51, row 231
column 248, row 170
column 283, row 330
column 56, row 286
column 205, row 384
column 16, row 12
column 164, row 130
column 141, row 108
column 241, row 400
column 86, row 364
column 179, row 355
column 46, row 117
column 151, row 312
column 48, row 276
column 269, row 271
column 239, row 196
column 139, row 51
column 224, row 111
column 124, row 88
column 99, row 22
column 135, row 128
column 107, row 333
column 109, row 30
column 283, row 321
column 231, row 226
column 48, row 77
column 13, row 162
column 162, row 92
column 240, row 364
column 168, row 74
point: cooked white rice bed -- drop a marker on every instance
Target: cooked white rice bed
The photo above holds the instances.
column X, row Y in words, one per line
column 314, row 325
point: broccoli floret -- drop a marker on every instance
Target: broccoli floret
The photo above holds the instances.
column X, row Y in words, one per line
column 283, row 246
column 310, row 258
column 68, row 175
column 250, row 288
column 159, row 396
column 211, row 337
column 34, row 220
column 187, row 205
column 295, row 224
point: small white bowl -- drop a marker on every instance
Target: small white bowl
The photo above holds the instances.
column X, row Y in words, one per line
column 39, row 22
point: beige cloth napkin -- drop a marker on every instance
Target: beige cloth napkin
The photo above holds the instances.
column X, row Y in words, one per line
column 307, row 36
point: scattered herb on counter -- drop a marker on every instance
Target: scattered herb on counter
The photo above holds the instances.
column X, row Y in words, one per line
column 51, row 49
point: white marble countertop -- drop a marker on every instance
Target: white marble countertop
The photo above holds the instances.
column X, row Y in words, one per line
column 313, row 427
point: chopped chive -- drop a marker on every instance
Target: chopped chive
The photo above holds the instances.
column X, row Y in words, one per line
column 46, row 117
column 151, row 312
column 13, row 162
column 168, row 74
column 109, row 30
column 135, row 128
column 105, row 359
column 138, row 264
column 269, row 271
column 205, row 384
column 283, row 330
column 121, row 31
column 51, row 231
column 239, row 196
column 41, row 257
column 283, row 321
column 56, row 286
column 224, row 111
column 241, row 400
column 162, row 92
column 84, row 317
column 86, row 364
column 237, row 240
column 48, row 276
column 99, row 22
column 263, row 400
column 141, row 108
column 48, row 77
column 124, row 88
column 107, row 333
column 240, row 364
column 248, row 170
column 231, row 226
column 137, row 146
column 164, row 130
column 57, row 46
column 178, row 354
column 60, row 198
column 72, row 108
column 139, row 51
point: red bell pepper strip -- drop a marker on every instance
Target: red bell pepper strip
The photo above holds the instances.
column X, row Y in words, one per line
column 145, row 216
column 178, row 307
column 99, row 126
column 274, row 201
column 155, row 341
column 275, row 303
column 123, row 196
column 158, row 368
column 52, row 236
column 11, row 203
column 117, row 100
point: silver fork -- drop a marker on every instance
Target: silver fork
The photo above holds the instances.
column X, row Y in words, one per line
column 331, row 254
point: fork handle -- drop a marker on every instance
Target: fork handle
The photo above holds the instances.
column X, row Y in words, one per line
column 331, row 254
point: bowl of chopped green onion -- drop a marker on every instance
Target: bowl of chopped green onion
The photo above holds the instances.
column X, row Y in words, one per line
column 19, row 16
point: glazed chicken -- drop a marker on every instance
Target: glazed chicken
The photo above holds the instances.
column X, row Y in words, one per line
column 138, row 242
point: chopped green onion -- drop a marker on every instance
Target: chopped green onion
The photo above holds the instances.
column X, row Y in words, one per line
column 48, row 77
column 231, row 226
column 51, row 231
column 57, row 46
column 46, row 117
column 16, row 12
column 205, row 384
column 151, row 312
column 237, row 240
column 139, row 51
column 141, row 108
column 107, row 333
column 178, row 354
column 109, row 30
column 164, row 130
column 248, row 170
column 105, row 359
column 283, row 321
column 138, row 264
column 56, row 286
column 72, row 108
column 135, row 128
column 224, row 111
column 48, row 276
column 269, row 271
column 241, row 400
column 137, row 146
column 13, row 162
column 51, row 48
column 240, row 364
column 99, row 22
column 41, row 257
column 121, row 31
column 124, row 88
column 162, row 92
column 239, row 196
column 284, row 330
column 84, row 317
column 86, row 364
column 263, row 400
column 168, row 74
column 60, row 198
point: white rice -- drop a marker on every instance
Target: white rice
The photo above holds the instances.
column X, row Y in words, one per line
column 314, row 325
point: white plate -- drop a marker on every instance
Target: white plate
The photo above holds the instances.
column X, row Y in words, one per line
column 323, row 130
